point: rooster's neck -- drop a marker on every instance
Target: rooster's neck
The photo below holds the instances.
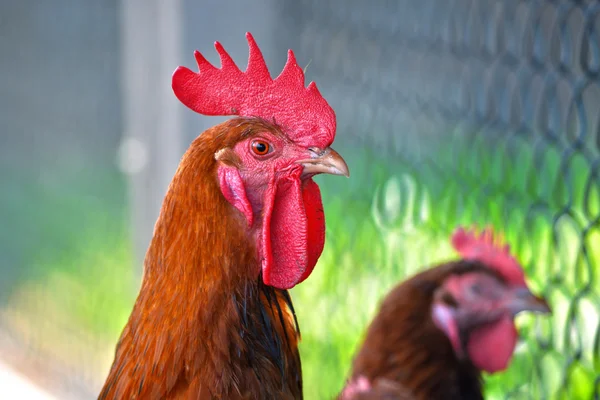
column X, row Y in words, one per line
column 203, row 324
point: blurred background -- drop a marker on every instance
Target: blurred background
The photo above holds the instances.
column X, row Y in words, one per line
column 449, row 112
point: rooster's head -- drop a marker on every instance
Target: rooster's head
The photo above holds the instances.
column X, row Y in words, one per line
column 281, row 140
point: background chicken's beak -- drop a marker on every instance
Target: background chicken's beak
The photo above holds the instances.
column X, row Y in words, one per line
column 524, row 300
column 326, row 161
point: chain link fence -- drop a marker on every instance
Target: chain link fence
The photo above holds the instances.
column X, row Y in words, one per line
column 487, row 112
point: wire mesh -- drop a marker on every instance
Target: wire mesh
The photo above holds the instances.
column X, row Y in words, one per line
column 492, row 109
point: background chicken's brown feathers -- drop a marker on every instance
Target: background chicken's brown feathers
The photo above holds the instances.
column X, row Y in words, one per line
column 415, row 353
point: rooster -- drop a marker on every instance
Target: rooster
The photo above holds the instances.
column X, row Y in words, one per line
column 242, row 222
column 438, row 330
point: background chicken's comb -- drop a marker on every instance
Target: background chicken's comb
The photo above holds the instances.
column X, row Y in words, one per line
column 302, row 112
column 489, row 249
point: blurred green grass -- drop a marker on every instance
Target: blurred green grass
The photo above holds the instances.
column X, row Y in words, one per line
column 68, row 283
column 390, row 219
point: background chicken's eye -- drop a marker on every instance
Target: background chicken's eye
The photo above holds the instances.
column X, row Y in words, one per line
column 449, row 299
column 260, row 147
column 476, row 288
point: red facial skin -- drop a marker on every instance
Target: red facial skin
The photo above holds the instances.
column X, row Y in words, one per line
column 282, row 205
column 479, row 318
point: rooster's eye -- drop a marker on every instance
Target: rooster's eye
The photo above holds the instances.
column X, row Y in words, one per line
column 260, row 147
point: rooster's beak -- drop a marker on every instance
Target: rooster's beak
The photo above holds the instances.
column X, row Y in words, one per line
column 324, row 161
column 524, row 300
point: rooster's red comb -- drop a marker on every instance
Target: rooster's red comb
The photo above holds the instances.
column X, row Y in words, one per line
column 301, row 111
column 490, row 250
